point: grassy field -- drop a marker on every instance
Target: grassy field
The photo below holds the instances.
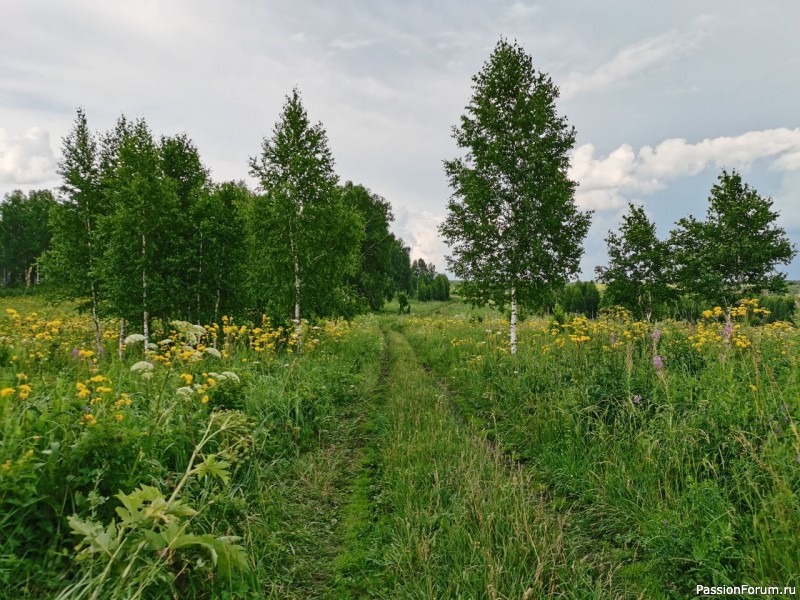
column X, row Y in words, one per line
column 398, row 457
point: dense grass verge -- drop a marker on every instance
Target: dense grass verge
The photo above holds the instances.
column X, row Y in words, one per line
column 675, row 448
column 195, row 475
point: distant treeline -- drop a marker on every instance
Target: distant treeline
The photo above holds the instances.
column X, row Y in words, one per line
column 586, row 298
column 139, row 230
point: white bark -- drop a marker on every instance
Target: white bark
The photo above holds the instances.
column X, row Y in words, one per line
column 98, row 338
column 513, row 331
column 121, row 338
column 297, row 325
column 200, row 278
column 145, row 313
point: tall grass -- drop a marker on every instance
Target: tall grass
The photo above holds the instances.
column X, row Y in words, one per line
column 186, row 443
column 674, row 447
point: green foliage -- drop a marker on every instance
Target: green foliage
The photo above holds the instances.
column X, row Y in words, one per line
column 187, row 248
column 734, row 252
column 670, row 475
column 153, row 545
column 220, row 262
column 405, row 306
column 72, row 265
column 512, row 223
column 24, row 235
column 422, row 273
column 373, row 279
column 145, row 204
column 781, row 308
column 637, row 276
column 401, row 272
column 157, row 471
column 580, row 298
column 304, row 238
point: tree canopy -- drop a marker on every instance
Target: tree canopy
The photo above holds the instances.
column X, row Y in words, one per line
column 735, row 251
column 304, row 238
column 514, row 230
column 637, row 274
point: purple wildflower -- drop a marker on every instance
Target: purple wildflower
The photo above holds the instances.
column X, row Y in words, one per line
column 658, row 363
column 728, row 330
column 637, row 399
column 656, row 335
column 75, row 353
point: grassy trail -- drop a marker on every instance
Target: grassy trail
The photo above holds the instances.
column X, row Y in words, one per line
column 311, row 503
column 404, row 499
column 455, row 519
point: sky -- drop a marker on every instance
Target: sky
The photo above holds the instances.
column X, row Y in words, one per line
column 663, row 95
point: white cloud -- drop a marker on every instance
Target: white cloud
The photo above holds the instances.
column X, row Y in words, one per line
column 636, row 58
column 520, row 10
column 351, row 42
column 606, row 182
column 26, row 158
column 420, row 231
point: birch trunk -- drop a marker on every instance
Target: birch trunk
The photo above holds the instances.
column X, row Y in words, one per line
column 145, row 313
column 200, row 278
column 513, row 331
column 121, row 338
column 298, row 329
column 98, row 337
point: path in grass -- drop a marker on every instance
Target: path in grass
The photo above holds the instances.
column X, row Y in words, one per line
column 307, row 502
column 454, row 519
column 408, row 501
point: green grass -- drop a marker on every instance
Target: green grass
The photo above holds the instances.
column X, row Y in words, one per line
column 458, row 520
column 671, row 479
column 413, row 457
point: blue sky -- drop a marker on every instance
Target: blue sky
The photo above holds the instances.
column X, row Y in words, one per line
column 663, row 95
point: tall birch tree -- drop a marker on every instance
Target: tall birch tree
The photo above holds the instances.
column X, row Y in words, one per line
column 513, row 227
column 72, row 264
column 144, row 200
column 304, row 238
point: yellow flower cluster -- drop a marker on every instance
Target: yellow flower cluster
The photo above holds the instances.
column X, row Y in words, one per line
column 38, row 338
column 96, row 388
column 705, row 334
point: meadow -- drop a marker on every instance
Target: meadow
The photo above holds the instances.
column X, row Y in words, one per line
column 402, row 456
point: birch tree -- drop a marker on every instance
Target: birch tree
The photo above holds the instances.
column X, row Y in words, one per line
column 222, row 250
column 72, row 264
column 304, row 238
column 24, row 235
column 144, row 210
column 637, row 274
column 186, row 257
column 736, row 250
column 513, row 227
column 372, row 280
